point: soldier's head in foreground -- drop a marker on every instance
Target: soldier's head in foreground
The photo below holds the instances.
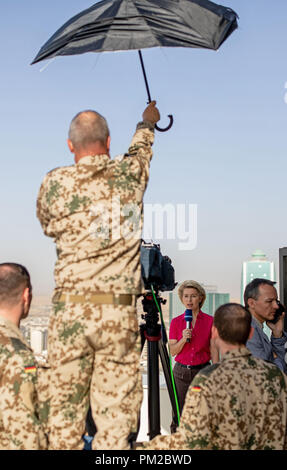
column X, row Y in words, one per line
column 260, row 297
column 89, row 135
column 231, row 326
column 15, row 292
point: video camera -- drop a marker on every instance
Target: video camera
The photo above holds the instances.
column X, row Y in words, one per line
column 156, row 269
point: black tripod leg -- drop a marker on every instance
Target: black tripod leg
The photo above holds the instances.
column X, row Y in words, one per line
column 153, row 390
column 167, row 374
column 153, row 384
column 142, row 334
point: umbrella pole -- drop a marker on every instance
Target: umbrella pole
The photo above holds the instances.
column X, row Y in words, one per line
column 145, row 77
column 149, row 96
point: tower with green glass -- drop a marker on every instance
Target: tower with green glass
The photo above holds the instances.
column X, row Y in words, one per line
column 257, row 266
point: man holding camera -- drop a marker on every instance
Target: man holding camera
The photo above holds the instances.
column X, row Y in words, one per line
column 93, row 210
column 260, row 298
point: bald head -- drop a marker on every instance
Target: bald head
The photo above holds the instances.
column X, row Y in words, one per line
column 233, row 323
column 87, row 129
column 14, row 278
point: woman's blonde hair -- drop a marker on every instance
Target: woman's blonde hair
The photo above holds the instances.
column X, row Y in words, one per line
column 192, row 285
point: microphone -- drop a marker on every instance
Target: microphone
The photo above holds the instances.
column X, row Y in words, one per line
column 188, row 319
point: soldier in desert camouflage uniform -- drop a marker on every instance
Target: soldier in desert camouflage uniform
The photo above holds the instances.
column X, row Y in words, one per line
column 93, row 210
column 20, row 427
column 237, row 404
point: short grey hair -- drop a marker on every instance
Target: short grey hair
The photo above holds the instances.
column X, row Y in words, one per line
column 192, row 285
column 88, row 127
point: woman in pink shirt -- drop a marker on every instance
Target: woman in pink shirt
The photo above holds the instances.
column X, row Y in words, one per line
column 191, row 356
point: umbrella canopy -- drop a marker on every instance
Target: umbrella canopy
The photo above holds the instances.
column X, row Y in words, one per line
column 113, row 25
column 117, row 25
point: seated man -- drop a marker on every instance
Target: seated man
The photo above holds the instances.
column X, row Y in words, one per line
column 237, row 404
column 20, row 428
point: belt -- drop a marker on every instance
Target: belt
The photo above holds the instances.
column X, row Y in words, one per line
column 198, row 366
column 99, row 299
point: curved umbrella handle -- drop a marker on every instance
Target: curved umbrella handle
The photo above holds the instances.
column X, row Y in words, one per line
column 165, row 128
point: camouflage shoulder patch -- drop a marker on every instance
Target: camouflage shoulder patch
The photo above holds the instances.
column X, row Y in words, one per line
column 203, row 375
column 208, row 370
column 272, row 371
column 76, row 203
column 18, row 345
column 53, row 192
column 3, row 339
column 52, row 171
column 58, row 169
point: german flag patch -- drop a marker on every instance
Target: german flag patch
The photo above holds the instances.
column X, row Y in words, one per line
column 196, row 389
column 30, row 369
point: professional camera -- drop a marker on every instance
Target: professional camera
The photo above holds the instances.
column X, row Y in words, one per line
column 157, row 275
column 156, row 269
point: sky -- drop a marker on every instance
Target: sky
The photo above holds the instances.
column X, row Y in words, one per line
column 224, row 155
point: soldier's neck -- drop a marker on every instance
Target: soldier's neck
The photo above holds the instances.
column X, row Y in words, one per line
column 226, row 347
column 93, row 150
column 13, row 315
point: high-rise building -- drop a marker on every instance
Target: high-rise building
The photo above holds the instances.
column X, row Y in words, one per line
column 257, row 267
column 36, row 340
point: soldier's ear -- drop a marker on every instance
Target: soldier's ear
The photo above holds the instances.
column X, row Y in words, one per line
column 108, row 145
column 70, row 145
column 214, row 332
column 27, row 295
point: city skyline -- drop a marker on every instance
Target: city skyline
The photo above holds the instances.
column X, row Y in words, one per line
column 225, row 154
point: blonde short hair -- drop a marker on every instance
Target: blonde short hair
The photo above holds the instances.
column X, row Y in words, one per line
column 192, row 285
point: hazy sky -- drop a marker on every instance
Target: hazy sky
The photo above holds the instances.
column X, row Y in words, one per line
column 226, row 152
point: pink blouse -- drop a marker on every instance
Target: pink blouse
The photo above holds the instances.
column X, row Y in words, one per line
column 198, row 350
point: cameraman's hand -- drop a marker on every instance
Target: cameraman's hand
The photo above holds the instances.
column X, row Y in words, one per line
column 151, row 113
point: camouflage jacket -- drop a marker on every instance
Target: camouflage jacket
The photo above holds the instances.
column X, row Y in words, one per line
column 237, row 404
column 20, row 427
column 93, row 210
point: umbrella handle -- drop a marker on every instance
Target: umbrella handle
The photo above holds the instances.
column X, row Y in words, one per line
column 160, row 129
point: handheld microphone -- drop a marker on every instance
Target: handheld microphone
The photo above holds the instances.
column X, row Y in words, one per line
column 188, row 319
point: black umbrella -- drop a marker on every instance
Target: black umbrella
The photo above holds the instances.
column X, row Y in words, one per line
column 116, row 25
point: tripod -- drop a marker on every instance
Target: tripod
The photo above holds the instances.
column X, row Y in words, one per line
column 155, row 335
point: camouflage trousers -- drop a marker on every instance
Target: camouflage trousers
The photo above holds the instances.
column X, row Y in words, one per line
column 94, row 355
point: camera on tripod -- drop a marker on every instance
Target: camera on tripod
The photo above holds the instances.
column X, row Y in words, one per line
column 156, row 269
column 158, row 275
